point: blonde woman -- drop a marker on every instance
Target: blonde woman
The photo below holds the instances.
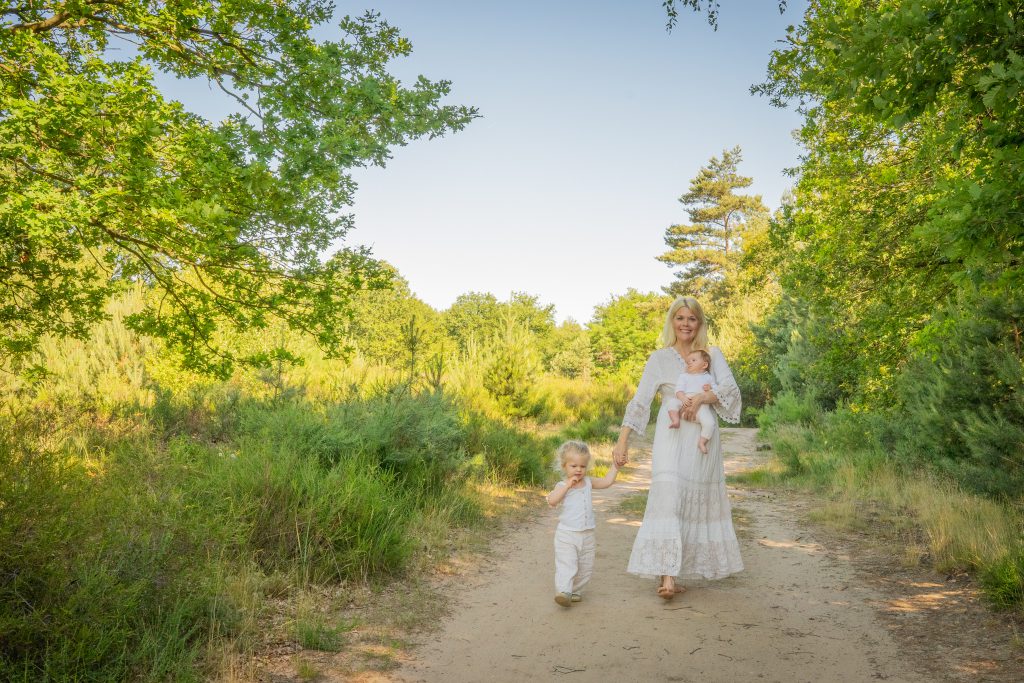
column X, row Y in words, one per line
column 687, row 530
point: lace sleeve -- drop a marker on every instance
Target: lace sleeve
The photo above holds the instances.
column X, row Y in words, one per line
column 725, row 388
column 638, row 410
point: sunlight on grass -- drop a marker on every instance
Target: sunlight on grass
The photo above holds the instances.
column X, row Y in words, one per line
column 633, row 505
column 921, row 516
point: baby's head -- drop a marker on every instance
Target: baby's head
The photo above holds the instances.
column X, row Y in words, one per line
column 572, row 457
column 698, row 361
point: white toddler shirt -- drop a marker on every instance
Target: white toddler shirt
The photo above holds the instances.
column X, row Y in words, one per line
column 577, row 508
column 693, row 384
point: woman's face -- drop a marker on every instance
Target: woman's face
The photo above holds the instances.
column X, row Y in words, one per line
column 686, row 325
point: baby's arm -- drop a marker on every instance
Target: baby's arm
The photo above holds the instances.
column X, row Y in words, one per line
column 608, row 479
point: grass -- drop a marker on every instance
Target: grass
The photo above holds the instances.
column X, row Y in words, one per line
column 313, row 631
column 159, row 525
column 633, row 505
column 928, row 518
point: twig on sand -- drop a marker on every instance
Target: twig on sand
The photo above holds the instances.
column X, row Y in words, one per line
column 558, row 669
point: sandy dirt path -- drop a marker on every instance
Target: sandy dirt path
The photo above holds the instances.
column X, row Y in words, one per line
column 796, row 614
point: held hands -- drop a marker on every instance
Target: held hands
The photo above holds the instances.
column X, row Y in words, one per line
column 620, row 454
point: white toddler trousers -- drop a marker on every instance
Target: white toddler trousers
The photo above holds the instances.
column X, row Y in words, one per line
column 574, row 559
column 705, row 416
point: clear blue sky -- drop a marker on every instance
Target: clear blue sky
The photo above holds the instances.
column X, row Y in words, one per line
column 594, row 119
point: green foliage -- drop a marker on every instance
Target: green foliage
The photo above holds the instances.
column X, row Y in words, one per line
column 963, row 404
column 102, row 584
column 108, row 183
column 314, row 633
column 625, row 330
column 509, row 454
column 911, row 185
column 570, row 352
column 511, row 368
column 378, row 317
column 1003, row 580
column 481, row 317
column 710, row 247
column 706, row 7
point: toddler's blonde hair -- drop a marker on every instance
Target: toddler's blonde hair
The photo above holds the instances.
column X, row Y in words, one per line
column 571, row 446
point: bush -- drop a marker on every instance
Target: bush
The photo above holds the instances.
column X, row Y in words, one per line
column 106, row 575
column 510, row 455
column 1003, row 580
column 789, row 408
column 963, row 409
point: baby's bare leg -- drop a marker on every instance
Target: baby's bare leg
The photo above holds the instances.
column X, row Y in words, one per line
column 675, row 406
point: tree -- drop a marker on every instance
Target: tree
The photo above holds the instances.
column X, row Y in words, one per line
column 380, row 319
column 910, row 189
column 480, row 316
column 708, row 7
column 108, row 183
column 625, row 331
column 708, row 248
column 570, row 351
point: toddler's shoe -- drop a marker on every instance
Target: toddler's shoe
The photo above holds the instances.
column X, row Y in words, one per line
column 575, row 597
column 564, row 599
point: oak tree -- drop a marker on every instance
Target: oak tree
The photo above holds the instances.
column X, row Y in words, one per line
column 106, row 182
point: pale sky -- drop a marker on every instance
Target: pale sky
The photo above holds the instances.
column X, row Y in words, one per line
column 594, row 119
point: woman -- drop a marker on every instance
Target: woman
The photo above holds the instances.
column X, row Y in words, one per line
column 687, row 529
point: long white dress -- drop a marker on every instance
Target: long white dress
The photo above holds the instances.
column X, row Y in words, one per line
column 687, row 530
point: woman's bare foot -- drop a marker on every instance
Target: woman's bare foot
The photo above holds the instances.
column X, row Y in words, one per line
column 667, row 590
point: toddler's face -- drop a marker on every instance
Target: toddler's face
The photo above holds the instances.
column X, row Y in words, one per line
column 695, row 363
column 575, row 465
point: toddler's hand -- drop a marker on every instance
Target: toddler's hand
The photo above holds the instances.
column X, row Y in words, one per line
column 707, row 387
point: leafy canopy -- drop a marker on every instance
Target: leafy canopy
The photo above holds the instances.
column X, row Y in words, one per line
column 106, row 182
column 910, row 189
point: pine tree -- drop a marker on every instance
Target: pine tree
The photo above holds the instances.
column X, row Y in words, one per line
column 708, row 249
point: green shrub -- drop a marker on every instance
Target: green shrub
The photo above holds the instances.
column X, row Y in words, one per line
column 106, row 573
column 509, row 454
column 1003, row 580
column 789, row 408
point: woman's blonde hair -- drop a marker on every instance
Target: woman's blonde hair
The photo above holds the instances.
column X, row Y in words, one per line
column 668, row 333
column 568, row 448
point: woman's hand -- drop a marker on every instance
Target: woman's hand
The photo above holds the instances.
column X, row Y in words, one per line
column 693, row 403
column 620, row 454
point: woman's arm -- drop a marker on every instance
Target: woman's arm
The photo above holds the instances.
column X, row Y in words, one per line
column 693, row 402
column 620, row 453
column 638, row 410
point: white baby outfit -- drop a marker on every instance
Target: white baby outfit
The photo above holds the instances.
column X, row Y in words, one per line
column 694, row 384
column 574, row 539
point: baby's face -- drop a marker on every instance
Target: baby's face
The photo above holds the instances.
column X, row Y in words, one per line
column 575, row 465
column 695, row 363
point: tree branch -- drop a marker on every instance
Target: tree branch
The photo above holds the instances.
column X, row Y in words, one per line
column 43, row 25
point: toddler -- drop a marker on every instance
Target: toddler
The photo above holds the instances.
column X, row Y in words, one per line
column 574, row 536
column 694, row 380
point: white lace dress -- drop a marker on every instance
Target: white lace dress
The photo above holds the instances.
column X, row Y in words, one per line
column 687, row 530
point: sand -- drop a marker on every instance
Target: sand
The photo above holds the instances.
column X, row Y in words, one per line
column 797, row 613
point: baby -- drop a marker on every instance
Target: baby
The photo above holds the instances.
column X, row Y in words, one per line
column 694, row 380
column 574, row 536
